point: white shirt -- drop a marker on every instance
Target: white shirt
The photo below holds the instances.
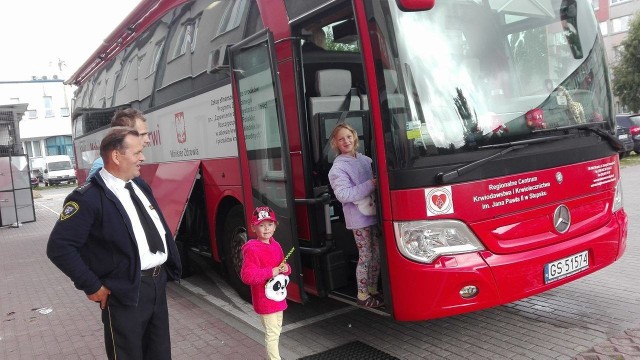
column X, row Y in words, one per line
column 148, row 259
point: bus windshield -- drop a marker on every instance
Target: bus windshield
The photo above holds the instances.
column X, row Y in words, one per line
column 472, row 74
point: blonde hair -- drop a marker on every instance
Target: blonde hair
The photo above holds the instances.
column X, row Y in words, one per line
column 335, row 131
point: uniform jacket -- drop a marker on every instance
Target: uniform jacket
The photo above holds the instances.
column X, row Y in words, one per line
column 257, row 269
column 93, row 242
column 349, row 178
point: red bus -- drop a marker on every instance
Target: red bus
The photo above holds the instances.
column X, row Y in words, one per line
column 490, row 124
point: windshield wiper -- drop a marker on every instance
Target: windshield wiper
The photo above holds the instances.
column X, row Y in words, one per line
column 593, row 127
column 443, row 178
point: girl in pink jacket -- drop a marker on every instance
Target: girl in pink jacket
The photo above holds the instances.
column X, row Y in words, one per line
column 266, row 272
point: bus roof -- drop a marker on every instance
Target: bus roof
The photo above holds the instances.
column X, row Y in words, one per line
column 143, row 16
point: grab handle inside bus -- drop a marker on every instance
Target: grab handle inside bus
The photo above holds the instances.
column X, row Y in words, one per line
column 325, row 200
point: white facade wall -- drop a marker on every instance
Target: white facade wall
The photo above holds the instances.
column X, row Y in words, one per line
column 617, row 10
column 43, row 119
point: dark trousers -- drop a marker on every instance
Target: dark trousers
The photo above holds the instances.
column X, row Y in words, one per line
column 139, row 332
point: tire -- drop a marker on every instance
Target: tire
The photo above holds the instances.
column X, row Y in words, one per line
column 235, row 235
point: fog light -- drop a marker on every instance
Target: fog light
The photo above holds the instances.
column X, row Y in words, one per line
column 469, row 291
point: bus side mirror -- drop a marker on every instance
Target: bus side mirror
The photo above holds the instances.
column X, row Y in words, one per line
column 219, row 59
column 415, row 5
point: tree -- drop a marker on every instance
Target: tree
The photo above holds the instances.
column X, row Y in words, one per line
column 626, row 73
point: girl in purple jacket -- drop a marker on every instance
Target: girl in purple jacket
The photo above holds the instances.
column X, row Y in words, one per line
column 352, row 181
column 263, row 261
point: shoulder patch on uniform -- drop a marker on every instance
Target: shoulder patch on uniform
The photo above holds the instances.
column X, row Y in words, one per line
column 69, row 209
column 86, row 186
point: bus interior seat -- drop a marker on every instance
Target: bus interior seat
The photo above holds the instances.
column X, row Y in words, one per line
column 334, row 89
column 313, row 61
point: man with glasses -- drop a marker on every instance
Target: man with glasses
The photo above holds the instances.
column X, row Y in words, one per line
column 130, row 117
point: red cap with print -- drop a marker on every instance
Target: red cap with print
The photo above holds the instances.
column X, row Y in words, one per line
column 261, row 214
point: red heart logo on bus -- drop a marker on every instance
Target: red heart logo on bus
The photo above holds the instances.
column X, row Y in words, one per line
column 439, row 200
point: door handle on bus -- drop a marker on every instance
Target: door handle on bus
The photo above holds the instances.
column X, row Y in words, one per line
column 325, row 200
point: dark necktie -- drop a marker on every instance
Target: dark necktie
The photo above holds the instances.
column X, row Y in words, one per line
column 150, row 229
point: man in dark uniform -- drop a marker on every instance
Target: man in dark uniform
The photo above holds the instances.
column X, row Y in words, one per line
column 114, row 244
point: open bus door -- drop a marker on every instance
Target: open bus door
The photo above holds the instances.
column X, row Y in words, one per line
column 262, row 144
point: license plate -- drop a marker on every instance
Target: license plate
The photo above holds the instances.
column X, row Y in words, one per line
column 562, row 268
column 623, row 136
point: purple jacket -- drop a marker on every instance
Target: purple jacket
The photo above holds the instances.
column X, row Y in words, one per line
column 350, row 179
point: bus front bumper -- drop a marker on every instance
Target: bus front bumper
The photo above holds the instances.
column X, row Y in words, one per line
column 427, row 291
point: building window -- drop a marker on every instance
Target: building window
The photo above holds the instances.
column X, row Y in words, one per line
column 613, row 2
column 187, row 38
column 125, row 77
column 60, row 145
column 37, row 151
column 604, row 29
column 617, row 53
column 33, row 114
column 48, row 107
column 620, row 24
column 157, row 52
column 194, row 36
column 27, row 145
column 232, row 16
column 94, row 91
column 64, row 112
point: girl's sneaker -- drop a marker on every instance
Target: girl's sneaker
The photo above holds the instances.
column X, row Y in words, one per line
column 370, row 302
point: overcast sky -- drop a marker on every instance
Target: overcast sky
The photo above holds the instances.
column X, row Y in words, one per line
column 34, row 34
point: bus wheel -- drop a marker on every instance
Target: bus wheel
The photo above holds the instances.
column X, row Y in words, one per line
column 235, row 235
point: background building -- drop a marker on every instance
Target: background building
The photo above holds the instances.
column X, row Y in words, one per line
column 614, row 17
column 45, row 126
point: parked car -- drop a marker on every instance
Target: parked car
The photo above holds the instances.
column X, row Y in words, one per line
column 631, row 122
column 58, row 168
column 34, row 179
column 625, row 138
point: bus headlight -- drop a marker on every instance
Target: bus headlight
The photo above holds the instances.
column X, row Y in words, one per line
column 425, row 241
column 617, row 198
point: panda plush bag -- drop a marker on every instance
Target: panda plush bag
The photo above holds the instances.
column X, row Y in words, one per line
column 276, row 288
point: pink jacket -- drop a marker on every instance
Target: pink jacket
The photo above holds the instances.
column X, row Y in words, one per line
column 259, row 260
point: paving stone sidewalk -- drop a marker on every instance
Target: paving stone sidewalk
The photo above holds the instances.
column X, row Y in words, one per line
column 43, row 316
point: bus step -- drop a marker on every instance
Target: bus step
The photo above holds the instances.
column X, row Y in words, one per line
column 200, row 252
column 352, row 301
